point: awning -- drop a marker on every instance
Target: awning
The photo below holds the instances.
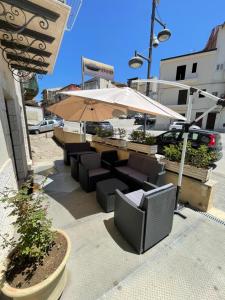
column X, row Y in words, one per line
column 31, row 33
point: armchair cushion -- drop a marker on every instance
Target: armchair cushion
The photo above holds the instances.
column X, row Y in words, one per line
column 91, row 161
column 97, row 172
column 135, row 197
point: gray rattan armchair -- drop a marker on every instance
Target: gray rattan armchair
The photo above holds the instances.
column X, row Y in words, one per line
column 145, row 217
column 91, row 171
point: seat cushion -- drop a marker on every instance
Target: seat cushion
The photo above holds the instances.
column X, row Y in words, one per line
column 135, row 196
column 124, row 169
column 154, row 191
column 98, row 171
column 137, row 175
column 91, row 161
column 108, row 186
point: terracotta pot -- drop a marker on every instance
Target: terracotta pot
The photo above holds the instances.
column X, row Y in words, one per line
column 50, row 288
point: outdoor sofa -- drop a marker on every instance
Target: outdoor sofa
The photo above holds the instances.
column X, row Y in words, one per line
column 91, row 171
column 139, row 168
column 145, row 217
column 74, row 148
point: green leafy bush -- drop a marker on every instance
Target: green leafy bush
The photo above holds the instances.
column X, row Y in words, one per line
column 103, row 133
column 138, row 136
column 33, row 229
column 200, row 157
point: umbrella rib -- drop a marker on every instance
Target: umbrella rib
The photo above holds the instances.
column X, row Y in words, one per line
column 83, row 111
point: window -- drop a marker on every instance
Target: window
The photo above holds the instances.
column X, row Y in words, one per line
column 50, row 122
column 202, row 96
column 217, row 67
column 170, row 136
column 221, row 66
column 43, row 123
column 194, row 67
column 215, row 93
column 181, row 72
column 182, row 97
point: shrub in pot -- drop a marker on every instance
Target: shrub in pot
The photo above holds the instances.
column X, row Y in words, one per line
column 142, row 143
column 198, row 161
column 114, row 141
column 36, row 264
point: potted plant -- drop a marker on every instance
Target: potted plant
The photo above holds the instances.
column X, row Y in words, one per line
column 115, row 141
column 142, row 143
column 101, row 135
column 197, row 161
column 35, row 267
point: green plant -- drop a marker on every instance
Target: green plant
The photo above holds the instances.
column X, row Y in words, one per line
column 122, row 133
column 138, row 136
column 150, row 140
column 34, row 237
column 103, row 133
column 200, row 157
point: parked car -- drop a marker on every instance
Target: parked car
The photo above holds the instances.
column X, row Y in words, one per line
column 140, row 121
column 197, row 137
column 92, row 127
column 179, row 125
column 43, row 126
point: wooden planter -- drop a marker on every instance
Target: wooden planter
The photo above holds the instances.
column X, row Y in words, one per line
column 98, row 139
column 190, row 171
column 116, row 142
column 142, row 148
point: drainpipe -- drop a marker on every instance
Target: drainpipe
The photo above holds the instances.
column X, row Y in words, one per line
column 25, row 118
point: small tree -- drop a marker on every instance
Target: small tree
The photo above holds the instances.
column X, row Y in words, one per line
column 122, row 133
column 34, row 237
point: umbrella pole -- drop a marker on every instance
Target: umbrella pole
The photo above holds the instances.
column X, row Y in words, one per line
column 185, row 140
column 84, row 131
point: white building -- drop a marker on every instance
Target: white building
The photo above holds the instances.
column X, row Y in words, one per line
column 205, row 70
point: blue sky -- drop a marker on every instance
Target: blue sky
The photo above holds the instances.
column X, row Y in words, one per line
column 110, row 30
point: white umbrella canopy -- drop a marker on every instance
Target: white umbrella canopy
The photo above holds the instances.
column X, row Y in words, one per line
column 123, row 97
column 80, row 109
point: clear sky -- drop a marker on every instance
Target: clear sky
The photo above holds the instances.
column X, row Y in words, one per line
column 110, row 30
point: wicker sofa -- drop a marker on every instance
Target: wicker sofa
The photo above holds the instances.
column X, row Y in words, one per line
column 139, row 168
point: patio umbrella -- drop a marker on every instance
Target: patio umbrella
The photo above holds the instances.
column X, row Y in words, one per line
column 126, row 98
column 79, row 109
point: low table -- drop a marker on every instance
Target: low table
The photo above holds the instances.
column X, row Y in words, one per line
column 105, row 192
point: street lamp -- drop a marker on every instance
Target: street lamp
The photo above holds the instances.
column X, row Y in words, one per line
column 137, row 60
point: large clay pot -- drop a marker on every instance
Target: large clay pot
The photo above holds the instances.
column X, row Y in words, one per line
column 49, row 289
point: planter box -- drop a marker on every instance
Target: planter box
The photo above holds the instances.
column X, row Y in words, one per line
column 116, row 142
column 98, row 139
column 191, row 171
column 142, row 148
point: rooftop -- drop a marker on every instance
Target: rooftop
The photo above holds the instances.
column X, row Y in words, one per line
column 190, row 54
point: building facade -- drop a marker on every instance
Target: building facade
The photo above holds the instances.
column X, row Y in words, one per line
column 21, row 57
column 204, row 70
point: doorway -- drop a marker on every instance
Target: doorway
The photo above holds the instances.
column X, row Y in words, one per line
column 211, row 121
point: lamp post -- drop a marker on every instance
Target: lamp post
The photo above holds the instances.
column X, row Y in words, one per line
column 137, row 60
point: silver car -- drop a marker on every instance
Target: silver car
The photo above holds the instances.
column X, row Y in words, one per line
column 43, row 126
